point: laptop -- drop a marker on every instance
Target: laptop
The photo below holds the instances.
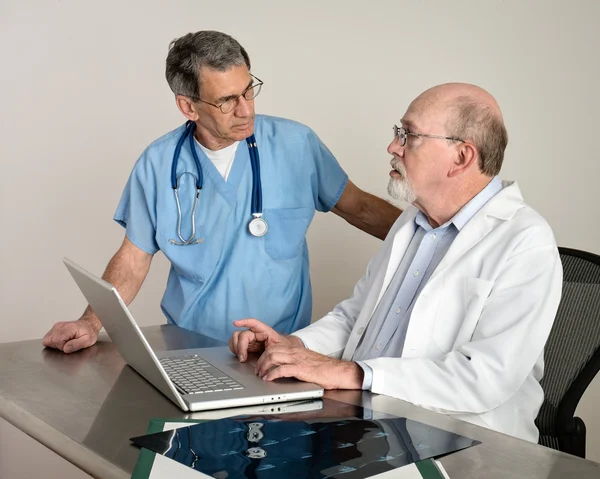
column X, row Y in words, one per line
column 194, row 379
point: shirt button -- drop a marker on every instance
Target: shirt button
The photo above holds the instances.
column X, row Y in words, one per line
column 416, row 273
column 360, row 331
column 433, row 236
column 398, row 311
column 378, row 347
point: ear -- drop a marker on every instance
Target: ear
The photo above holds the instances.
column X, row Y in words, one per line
column 466, row 156
column 187, row 107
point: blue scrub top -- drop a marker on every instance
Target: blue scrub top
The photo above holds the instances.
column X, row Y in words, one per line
column 232, row 274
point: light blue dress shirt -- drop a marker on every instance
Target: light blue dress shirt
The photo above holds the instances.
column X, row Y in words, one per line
column 231, row 274
column 386, row 332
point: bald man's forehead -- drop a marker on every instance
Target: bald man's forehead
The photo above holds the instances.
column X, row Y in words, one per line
column 425, row 113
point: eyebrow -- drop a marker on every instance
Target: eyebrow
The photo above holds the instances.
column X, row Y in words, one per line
column 407, row 123
column 231, row 97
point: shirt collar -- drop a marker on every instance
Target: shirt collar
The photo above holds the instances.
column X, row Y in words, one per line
column 460, row 219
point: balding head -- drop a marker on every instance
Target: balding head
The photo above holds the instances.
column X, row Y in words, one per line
column 470, row 113
column 448, row 93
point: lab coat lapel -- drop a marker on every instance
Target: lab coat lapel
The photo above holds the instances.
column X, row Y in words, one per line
column 503, row 206
column 472, row 233
column 401, row 241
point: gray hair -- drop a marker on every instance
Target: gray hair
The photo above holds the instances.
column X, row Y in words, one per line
column 479, row 123
column 188, row 54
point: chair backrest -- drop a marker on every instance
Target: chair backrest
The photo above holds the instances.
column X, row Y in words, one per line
column 572, row 353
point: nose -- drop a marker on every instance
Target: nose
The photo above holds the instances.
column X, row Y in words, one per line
column 244, row 108
column 395, row 149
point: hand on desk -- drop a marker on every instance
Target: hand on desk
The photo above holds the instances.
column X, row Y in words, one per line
column 71, row 336
column 281, row 361
column 286, row 356
column 256, row 338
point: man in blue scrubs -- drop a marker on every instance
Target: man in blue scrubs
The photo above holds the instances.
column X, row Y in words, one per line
column 223, row 272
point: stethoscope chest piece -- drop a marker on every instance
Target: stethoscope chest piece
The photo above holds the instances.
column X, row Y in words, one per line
column 258, row 226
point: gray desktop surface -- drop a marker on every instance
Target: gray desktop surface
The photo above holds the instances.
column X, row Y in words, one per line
column 85, row 406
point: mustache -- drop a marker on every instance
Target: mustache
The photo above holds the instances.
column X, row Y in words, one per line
column 397, row 165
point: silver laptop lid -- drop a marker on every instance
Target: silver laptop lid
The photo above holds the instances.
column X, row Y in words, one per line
column 123, row 330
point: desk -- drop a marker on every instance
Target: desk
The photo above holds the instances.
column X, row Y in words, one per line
column 84, row 406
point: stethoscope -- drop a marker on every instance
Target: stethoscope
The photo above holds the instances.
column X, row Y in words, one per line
column 257, row 226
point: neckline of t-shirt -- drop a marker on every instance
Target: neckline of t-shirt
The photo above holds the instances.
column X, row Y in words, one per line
column 219, row 154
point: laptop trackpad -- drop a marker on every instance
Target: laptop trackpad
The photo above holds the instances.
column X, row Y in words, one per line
column 249, row 366
column 244, row 368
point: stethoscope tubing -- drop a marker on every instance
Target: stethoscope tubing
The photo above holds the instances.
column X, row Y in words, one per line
column 256, row 205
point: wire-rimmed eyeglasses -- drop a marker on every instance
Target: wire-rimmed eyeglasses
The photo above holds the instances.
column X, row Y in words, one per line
column 402, row 134
column 231, row 103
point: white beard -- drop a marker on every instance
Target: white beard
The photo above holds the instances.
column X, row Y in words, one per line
column 400, row 188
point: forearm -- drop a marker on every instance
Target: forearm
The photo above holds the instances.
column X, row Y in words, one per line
column 126, row 271
column 376, row 216
column 371, row 214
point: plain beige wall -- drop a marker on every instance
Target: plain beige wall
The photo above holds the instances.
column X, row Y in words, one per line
column 82, row 92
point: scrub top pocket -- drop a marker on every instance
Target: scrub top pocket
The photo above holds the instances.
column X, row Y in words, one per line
column 191, row 261
column 287, row 231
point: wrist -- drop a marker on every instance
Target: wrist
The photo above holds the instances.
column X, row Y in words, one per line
column 295, row 341
column 351, row 375
column 92, row 321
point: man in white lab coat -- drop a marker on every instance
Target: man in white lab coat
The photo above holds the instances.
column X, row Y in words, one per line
column 455, row 309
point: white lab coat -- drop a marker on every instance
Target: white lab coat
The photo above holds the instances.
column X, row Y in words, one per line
column 474, row 345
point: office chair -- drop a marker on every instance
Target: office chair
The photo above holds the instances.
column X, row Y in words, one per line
column 572, row 353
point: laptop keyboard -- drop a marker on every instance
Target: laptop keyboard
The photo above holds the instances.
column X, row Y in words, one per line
column 193, row 375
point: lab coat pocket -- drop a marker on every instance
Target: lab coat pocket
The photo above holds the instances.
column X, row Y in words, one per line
column 459, row 311
column 190, row 261
column 287, row 231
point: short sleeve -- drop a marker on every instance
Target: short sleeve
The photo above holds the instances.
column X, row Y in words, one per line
column 330, row 179
column 137, row 209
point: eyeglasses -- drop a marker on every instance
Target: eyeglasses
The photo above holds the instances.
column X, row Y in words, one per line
column 402, row 135
column 231, row 103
